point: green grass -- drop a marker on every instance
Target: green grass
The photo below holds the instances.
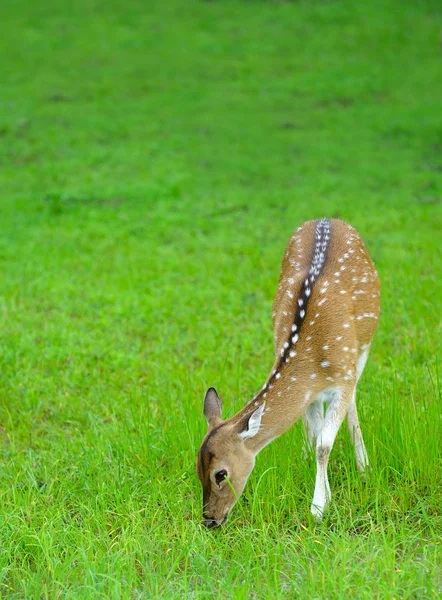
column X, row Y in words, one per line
column 155, row 157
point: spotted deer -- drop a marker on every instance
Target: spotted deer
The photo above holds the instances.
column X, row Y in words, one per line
column 325, row 315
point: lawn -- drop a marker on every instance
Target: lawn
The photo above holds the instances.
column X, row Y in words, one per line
column 155, row 157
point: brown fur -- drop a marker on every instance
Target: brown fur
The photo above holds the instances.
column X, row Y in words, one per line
column 341, row 316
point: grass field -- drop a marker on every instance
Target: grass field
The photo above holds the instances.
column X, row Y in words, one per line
column 154, row 158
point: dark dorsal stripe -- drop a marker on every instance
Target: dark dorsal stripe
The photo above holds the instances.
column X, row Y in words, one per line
column 322, row 237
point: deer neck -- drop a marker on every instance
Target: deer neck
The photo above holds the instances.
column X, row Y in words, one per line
column 285, row 399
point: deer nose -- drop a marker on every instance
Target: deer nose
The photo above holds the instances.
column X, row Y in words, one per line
column 210, row 523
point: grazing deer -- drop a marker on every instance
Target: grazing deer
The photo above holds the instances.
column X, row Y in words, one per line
column 325, row 314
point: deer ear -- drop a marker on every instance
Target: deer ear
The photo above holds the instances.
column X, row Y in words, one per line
column 250, row 424
column 212, row 407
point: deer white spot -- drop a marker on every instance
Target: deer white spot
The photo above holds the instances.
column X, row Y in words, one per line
column 292, row 378
column 339, row 338
column 313, row 376
column 291, row 281
column 312, row 322
column 295, row 338
column 323, row 290
column 308, row 396
column 307, row 292
column 302, row 314
column 308, row 350
column 300, row 301
column 264, row 396
column 346, row 325
column 286, row 344
column 340, row 260
column 329, row 379
column 316, row 315
column 289, row 294
column 342, row 292
column 292, row 354
column 294, row 327
column 278, row 375
column 325, row 363
column 345, row 348
column 325, row 347
column 321, row 302
column 343, row 268
column 309, row 337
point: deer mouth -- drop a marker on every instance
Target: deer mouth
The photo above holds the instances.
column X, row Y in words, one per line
column 211, row 523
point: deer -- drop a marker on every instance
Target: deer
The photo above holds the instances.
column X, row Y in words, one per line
column 325, row 314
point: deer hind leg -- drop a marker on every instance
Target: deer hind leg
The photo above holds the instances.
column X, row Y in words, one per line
column 353, row 421
column 356, row 436
column 335, row 414
column 313, row 419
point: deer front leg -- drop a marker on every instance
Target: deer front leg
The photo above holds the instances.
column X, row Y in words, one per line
column 334, row 416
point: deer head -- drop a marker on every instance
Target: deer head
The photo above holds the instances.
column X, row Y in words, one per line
column 225, row 459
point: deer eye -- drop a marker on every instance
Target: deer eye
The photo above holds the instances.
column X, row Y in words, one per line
column 220, row 476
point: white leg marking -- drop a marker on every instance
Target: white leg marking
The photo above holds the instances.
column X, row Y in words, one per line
column 334, row 416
